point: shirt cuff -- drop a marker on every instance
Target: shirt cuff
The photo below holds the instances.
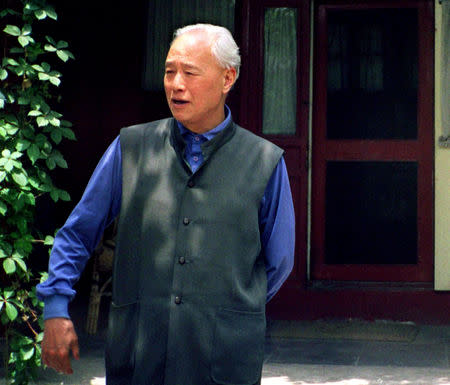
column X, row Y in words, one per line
column 56, row 306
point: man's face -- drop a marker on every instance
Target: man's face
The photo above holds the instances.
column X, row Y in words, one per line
column 196, row 85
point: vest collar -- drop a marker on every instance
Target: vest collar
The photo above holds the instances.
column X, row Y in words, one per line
column 208, row 148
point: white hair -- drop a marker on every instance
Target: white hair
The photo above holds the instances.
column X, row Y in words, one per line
column 223, row 47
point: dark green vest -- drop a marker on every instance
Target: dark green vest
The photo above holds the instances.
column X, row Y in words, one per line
column 189, row 282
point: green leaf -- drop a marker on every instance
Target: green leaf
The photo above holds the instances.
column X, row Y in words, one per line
column 59, row 159
column 2, row 175
column 3, row 75
column 68, row 133
column 9, row 165
column 66, row 123
column 50, row 48
column 6, row 153
column 55, row 122
column 28, row 132
column 26, row 30
column 23, row 246
column 43, row 76
column 44, row 177
column 11, row 311
column 10, row 98
column 50, row 40
column 51, row 164
column 40, row 14
column 20, row 179
column 62, row 55
column 21, row 263
column 34, row 153
column 23, row 40
column 8, row 293
column 9, row 61
column 12, row 30
column 8, row 11
column 45, row 187
column 27, row 352
column 39, row 337
column 64, row 195
column 23, row 101
column 3, row 208
column 16, row 50
column 46, row 66
column 22, row 144
column 9, row 265
column 35, row 113
column 54, row 194
column 56, row 136
column 30, row 7
column 51, row 12
column 37, row 67
column 5, row 249
column 49, row 240
column 55, row 81
column 18, row 71
column 42, row 121
column 30, row 197
column 10, row 129
column 33, row 181
column 62, row 44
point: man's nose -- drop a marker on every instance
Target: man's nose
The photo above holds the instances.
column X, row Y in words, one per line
column 178, row 82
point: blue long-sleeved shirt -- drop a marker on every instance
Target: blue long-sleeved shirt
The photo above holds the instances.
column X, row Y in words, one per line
column 100, row 205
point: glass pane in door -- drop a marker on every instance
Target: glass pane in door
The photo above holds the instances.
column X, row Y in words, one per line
column 280, row 71
column 371, row 213
column 372, row 74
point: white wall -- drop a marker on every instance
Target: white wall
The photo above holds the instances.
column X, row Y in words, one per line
column 442, row 173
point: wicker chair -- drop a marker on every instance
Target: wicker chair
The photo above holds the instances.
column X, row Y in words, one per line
column 103, row 258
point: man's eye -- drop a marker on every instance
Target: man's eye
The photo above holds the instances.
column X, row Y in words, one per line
column 168, row 72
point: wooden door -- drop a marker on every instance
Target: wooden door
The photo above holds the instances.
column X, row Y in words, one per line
column 372, row 188
column 274, row 96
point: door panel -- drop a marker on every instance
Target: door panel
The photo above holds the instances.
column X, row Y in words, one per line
column 372, row 142
column 275, row 93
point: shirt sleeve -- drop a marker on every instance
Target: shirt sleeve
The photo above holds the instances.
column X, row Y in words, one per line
column 76, row 240
column 277, row 224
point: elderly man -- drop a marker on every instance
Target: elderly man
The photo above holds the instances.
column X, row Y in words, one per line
column 205, row 235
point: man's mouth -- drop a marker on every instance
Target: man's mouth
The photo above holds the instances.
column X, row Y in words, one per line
column 179, row 102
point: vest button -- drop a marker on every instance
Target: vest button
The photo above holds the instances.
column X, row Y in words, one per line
column 191, row 183
column 186, row 221
column 181, row 260
column 177, row 300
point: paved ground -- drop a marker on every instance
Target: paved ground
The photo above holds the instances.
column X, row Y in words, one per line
column 315, row 361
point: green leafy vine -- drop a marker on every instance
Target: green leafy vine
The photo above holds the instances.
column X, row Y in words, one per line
column 30, row 132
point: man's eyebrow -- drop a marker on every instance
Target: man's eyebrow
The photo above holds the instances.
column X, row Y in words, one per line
column 184, row 65
column 190, row 66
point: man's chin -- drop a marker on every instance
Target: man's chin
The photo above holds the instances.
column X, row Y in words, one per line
column 180, row 117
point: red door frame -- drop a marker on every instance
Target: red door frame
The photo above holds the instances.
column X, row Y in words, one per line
column 420, row 150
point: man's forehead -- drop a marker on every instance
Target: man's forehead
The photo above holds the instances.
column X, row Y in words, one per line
column 189, row 51
column 191, row 44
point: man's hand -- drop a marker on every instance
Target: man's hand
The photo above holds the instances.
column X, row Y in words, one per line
column 59, row 339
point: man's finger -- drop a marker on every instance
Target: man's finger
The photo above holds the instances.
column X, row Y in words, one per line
column 64, row 361
column 75, row 350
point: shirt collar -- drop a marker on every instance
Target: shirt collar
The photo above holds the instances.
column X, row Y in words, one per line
column 211, row 133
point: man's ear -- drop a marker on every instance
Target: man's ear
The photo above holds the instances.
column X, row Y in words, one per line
column 229, row 79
